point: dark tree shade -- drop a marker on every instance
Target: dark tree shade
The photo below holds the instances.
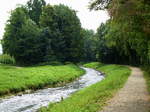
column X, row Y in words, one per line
column 35, row 9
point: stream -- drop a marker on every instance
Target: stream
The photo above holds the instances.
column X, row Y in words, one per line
column 32, row 102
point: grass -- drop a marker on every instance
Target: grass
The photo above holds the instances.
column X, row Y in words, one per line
column 147, row 76
column 146, row 70
column 16, row 79
column 93, row 98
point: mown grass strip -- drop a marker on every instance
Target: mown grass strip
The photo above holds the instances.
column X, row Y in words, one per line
column 16, row 79
column 92, row 99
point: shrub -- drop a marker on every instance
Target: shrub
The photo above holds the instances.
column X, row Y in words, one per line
column 7, row 59
column 55, row 63
column 68, row 63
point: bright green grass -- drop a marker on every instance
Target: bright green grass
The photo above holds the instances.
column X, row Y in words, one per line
column 91, row 99
column 15, row 79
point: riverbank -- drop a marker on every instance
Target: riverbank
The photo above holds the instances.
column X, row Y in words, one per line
column 147, row 77
column 18, row 79
column 93, row 98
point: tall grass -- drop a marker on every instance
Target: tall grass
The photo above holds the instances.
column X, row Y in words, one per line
column 15, row 79
column 92, row 99
column 6, row 59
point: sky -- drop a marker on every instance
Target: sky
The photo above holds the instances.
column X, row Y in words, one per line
column 89, row 19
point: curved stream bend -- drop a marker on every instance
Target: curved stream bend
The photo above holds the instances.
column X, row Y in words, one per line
column 32, row 102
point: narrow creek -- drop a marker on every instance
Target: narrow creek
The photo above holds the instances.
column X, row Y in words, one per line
column 32, row 102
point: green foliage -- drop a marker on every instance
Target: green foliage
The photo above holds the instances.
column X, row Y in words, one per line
column 22, row 38
column 30, row 44
column 94, row 65
column 70, row 27
column 147, row 77
column 68, row 63
column 55, row 42
column 90, row 45
column 55, row 63
column 146, row 70
column 35, row 9
column 63, row 32
column 38, row 33
column 91, row 99
column 15, row 79
column 12, row 30
column 6, row 59
column 126, row 37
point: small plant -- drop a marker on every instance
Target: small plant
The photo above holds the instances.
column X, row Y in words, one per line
column 7, row 59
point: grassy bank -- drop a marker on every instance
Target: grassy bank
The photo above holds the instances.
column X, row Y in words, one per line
column 91, row 99
column 16, row 79
column 147, row 76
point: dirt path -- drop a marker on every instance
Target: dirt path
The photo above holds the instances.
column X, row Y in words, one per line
column 133, row 97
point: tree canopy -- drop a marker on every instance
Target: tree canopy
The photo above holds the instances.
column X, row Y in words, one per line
column 128, row 29
column 38, row 33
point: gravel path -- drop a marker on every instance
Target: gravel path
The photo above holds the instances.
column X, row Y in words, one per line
column 133, row 97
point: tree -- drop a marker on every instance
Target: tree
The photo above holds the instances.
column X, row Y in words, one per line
column 22, row 39
column 35, row 9
column 90, row 45
column 64, row 32
column 70, row 27
column 129, row 28
column 12, row 30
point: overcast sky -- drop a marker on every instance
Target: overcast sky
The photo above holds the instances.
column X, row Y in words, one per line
column 89, row 20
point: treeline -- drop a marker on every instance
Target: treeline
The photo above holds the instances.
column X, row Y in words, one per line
column 125, row 38
column 38, row 32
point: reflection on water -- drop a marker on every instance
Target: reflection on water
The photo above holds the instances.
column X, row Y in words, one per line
column 32, row 102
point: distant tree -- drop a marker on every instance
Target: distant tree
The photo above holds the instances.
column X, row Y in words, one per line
column 90, row 45
column 13, row 30
column 70, row 28
column 48, row 24
column 64, row 30
column 22, row 39
column 107, row 52
column 35, row 9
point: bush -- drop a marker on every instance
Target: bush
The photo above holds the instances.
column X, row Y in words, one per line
column 55, row 63
column 7, row 59
column 68, row 63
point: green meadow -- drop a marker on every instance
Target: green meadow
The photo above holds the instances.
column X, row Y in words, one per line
column 16, row 79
